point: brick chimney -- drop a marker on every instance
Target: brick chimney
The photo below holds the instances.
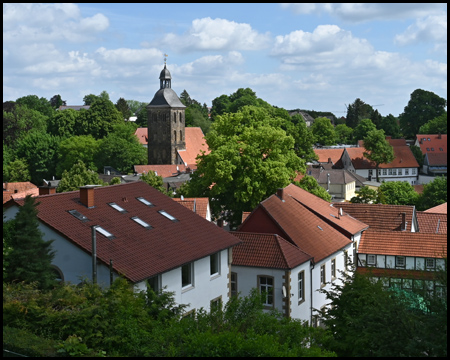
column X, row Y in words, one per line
column 87, row 195
column 47, row 190
column 280, row 193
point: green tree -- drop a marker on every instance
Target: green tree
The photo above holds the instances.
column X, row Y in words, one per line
column 220, row 106
column 357, row 111
column 142, row 117
column 78, row 176
column 363, row 128
column 422, row 107
column 122, row 106
column 185, row 98
column 154, row 181
column 250, row 158
column 366, row 195
column 135, row 105
column 121, row 149
column 344, row 134
column 115, row 181
column 438, row 125
column 7, row 158
column 56, row 101
column 18, row 170
column 104, row 95
column 390, row 126
column 399, row 193
column 64, row 123
column 33, row 102
column 31, row 257
column 323, row 131
column 89, row 99
column 304, row 140
column 378, row 149
column 417, row 152
column 311, row 185
column 434, row 194
column 75, row 148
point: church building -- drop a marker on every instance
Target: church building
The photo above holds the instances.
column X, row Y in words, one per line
column 166, row 123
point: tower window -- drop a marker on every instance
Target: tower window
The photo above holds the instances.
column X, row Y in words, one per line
column 181, row 119
column 181, row 135
column 174, row 117
column 175, row 135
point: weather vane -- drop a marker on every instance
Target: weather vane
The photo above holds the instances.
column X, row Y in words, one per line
column 165, row 58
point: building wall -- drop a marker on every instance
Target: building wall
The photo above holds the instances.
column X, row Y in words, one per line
column 388, row 262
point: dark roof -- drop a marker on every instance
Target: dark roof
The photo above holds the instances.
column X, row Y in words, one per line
column 436, row 159
column 165, row 74
column 166, row 97
column 337, row 176
column 74, row 107
column 268, row 251
column 137, row 252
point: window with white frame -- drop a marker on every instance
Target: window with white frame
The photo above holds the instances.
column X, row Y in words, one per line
column 413, row 171
column 430, row 263
column 233, row 284
column 384, row 171
column 216, row 304
column 322, row 275
column 266, row 287
column 371, row 259
column 333, row 268
column 406, row 171
column 214, row 264
column 187, row 275
column 301, row 286
column 389, row 171
column 370, row 172
column 400, row 171
column 400, row 261
column 394, row 171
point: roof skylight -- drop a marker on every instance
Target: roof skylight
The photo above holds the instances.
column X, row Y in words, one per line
column 141, row 222
column 144, row 201
column 167, row 215
column 104, row 232
column 117, row 207
column 78, row 215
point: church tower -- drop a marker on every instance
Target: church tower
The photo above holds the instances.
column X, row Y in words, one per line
column 166, row 122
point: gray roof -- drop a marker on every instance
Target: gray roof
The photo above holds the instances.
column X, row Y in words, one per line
column 337, row 176
column 74, row 107
column 165, row 74
column 166, row 97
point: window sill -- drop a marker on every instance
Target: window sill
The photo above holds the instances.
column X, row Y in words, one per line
column 301, row 302
column 214, row 276
column 187, row 288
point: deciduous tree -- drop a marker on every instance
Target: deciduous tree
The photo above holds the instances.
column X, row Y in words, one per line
column 78, row 176
column 76, row 148
column 65, row 123
column 378, row 149
column 438, row 125
column 18, row 170
column 323, row 131
column 390, row 126
column 366, row 195
column 363, row 128
column 398, row 193
column 344, row 134
column 434, row 193
column 154, row 181
column 311, row 185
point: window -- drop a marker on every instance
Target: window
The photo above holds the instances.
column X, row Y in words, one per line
column 346, row 260
column 214, row 264
column 322, row 275
column 390, row 171
column 400, row 261
column 414, row 171
column 441, row 149
column 266, row 287
column 394, row 171
column 146, row 202
column 181, row 135
column 301, row 286
column 59, row 277
column 175, row 135
column 406, row 171
column 384, row 171
column 141, row 222
column 153, row 282
column 78, row 215
column 430, row 263
column 400, row 171
column 186, row 275
column 428, row 149
column 429, row 139
column 233, row 284
column 432, row 149
column 370, row 172
column 371, row 260
column 216, row 304
column 167, row 215
column 117, row 207
column 333, row 268
column 379, row 171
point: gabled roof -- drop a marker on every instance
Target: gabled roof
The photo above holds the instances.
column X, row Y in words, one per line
column 74, row 107
column 337, row 176
column 298, row 225
column 440, row 209
column 333, row 154
column 197, row 205
column 267, row 251
column 161, row 170
column 403, row 158
column 403, row 244
column 436, row 159
column 17, row 190
column 195, row 144
column 325, row 210
column 432, row 223
column 166, row 97
column 142, row 135
column 380, row 216
column 435, row 141
column 137, row 252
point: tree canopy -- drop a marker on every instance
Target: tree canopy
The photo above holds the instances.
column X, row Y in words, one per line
column 123, row 107
column 434, row 194
column 398, row 193
column 362, row 129
column 344, row 134
column 78, row 176
column 390, row 126
column 357, row 111
column 378, row 149
column 311, row 185
column 75, row 148
column 323, row 131
column 438, row 125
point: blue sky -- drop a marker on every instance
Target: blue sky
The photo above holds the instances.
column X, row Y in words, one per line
column 310, row 56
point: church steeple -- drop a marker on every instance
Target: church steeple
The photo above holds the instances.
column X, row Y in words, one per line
column 165, row 78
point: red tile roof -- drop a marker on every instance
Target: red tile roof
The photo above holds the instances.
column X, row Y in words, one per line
column 197, row 205
column 435, row 142
column 161, row 170
column 267, row 250
column 432, row 223
column 137, row 253
column 299, row 225
column 403, row 244
column 325, row 154
column 436, row 159
column 380, row 216
column 17, row 190
column 441, row 209
column 404, row 158
column 142, row 135
column 195, row 143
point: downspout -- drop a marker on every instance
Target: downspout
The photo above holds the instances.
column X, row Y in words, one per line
column 94, row 254
column 311, row 267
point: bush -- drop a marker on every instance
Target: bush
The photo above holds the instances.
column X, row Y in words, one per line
column 26, row 343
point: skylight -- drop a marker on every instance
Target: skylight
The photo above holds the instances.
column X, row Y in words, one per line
column 167, row 215
column 117, row 207
column 146, row 202
column 141, row 222
column 78, row 215
column 104, row 232
column 319, row 227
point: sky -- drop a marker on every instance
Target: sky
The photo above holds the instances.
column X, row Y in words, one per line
column 309, row 56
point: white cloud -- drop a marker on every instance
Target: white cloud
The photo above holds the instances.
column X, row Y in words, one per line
column 217, row 34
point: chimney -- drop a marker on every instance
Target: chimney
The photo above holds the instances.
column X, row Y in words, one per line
column 188, row 170
column 439, row 136
column 47, row 190
column 280, row 193
column 220, row 223
column 329, row 161
column 178, row 170
column 87, row 195
column 403, row 227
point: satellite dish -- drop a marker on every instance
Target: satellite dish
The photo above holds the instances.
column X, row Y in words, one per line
column 283, row 289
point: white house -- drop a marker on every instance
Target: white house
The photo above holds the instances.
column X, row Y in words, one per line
column 141, row 235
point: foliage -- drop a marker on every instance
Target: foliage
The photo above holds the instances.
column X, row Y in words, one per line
column 142, row 117
column 417, row 152
column 78, row 176
column 434, row 194
column 64, row 123
column 390, row 126
column 89, row 99
column 26, row 343
column 134, row 105
column 378, row 149
column 39, row 149
column 344, row 134
column 366, row 195
column 422, row 107
column 122, row 106
column 362, row 129
column 154, row 181
column 33, row 102
column 250, row 158
column 303, row 137
column 438, row 125
column 311, row 185
column 18, row 170
column 323, row 131
column 56, row 101
column 121, row 149
column 75, row 148
column 398, row 193
column 357, row 111
column 31, row 256
column 7, row 158
column 115, row 181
